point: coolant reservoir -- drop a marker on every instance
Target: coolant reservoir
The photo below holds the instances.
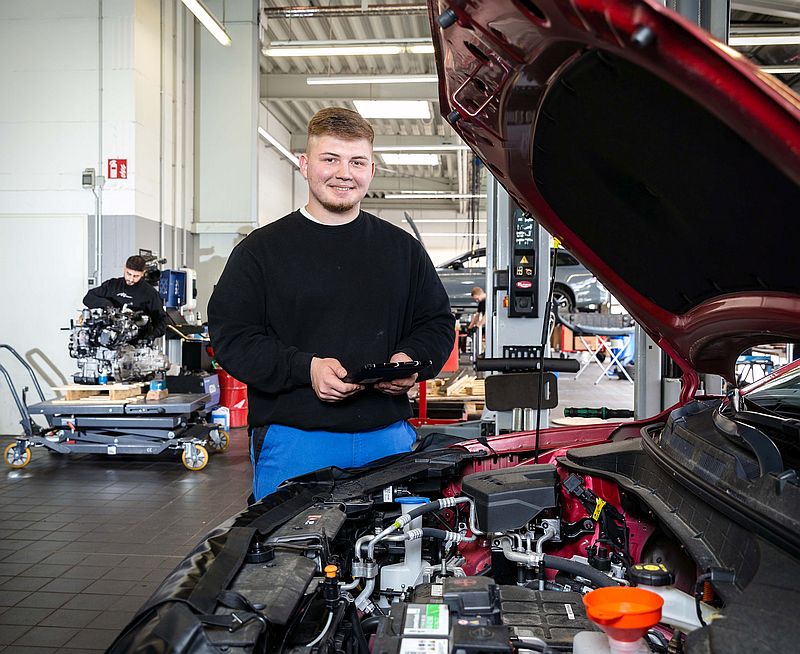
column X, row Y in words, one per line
column 624, row 614
column 405, row 575
column 680, row 610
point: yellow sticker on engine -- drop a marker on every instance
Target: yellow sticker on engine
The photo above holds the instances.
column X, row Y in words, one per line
column 598, row 508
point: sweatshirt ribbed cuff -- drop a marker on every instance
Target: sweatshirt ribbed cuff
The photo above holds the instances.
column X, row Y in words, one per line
column 301, row 367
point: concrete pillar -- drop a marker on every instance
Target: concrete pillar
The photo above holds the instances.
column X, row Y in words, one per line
column 226, row 150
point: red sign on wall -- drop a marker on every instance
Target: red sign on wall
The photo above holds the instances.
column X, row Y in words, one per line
column 117, row 169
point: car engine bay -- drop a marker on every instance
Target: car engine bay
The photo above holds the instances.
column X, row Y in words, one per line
column 443, row 550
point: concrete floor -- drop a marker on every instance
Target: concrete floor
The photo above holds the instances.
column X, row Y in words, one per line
column 85, row 540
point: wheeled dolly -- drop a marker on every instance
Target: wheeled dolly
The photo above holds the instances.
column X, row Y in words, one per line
column 131, row 426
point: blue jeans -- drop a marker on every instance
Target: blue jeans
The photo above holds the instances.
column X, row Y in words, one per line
column 288, row 452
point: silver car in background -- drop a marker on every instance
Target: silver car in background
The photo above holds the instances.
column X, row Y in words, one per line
column 576, row 289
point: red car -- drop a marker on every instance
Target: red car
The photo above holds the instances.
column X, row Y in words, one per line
column 670, row 167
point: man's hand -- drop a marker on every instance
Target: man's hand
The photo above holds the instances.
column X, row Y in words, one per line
column 398, row 386
column 326, row 380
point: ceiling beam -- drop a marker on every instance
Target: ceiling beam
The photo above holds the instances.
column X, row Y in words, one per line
column 392, row 184
column 781, row 8
column 293, row 87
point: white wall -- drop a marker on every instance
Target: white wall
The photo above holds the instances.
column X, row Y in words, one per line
column 50, row 130
column 42, row 268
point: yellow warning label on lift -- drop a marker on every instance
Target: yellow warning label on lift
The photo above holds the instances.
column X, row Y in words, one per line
column 524, row 260
column 598, row 507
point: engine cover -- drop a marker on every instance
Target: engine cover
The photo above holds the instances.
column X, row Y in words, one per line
column 508, row 499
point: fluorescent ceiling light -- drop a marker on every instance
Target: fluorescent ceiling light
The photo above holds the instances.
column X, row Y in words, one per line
column 333, row 51
column 371, row 79
column 777, row 70
column 393, row 108
column 348, row 48
column 410, row 159
column 208, row 20
column 432, row 196
column 443, row 147
column 765, row 39
column 273, row 141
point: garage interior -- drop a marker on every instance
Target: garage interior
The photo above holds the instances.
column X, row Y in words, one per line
column 131, row 126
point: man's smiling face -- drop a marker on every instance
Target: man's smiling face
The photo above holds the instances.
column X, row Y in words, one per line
column 338, row 172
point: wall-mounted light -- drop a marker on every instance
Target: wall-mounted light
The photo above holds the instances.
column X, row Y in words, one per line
column 208, row 20
column 278, row 146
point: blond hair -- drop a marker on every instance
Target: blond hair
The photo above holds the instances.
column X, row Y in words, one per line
column 340, row 122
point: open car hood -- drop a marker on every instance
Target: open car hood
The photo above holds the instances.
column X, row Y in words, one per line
column 664, row 161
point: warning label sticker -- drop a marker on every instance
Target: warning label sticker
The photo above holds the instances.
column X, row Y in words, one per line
column 427, row 620
column 423, row 646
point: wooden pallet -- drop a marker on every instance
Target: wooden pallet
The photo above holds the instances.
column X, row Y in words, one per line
column 106, row 392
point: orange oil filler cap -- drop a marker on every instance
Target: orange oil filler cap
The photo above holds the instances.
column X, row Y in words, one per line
column 331, row 571
column 624, row 613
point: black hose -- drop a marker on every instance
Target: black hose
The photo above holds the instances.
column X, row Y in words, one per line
column 576, row 568
column 370, row 625
column 432, row 532
column 363, row 645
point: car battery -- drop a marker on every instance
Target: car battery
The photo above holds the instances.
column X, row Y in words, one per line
column 471, row 600
column 414, row 629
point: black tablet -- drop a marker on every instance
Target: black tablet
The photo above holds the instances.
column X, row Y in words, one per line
column 371, row 373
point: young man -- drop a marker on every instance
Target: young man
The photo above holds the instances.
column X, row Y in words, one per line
column 319, row 292
column 133, row 291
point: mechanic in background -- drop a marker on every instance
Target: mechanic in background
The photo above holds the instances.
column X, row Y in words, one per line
column 321, row 291
column 479, row 317
column 132, row 291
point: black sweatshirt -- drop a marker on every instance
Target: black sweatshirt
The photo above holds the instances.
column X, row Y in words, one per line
column 359, row 293
column 141, row 297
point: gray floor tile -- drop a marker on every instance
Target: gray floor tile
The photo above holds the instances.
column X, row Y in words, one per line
column 12, row 597
column 66, row 585
column 46, row 636
column 24, row 615
column 92, row 639
column 24, row 583
column 10, row 632
column 41, row 600
column 91, row 602
column 77, row 618
column 50, row 570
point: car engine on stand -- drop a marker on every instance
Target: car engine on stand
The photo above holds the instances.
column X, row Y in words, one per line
column 108, row 347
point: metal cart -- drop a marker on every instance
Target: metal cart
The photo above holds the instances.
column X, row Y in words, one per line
column 131, row 426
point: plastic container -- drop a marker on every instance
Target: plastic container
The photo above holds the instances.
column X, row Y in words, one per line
column 680, row 610
column 624, row 614
column 233, row 394
column 221, row 416
column 239, row 414
column 404, row 575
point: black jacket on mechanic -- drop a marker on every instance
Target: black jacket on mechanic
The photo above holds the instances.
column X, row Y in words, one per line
column 296, row 289
column 140, row 296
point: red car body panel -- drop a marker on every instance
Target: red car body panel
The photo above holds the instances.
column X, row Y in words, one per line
column 496, row 45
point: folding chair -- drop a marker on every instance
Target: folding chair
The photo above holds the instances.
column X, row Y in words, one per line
column 604, row 328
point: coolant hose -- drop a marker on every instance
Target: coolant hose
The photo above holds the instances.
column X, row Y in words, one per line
column 576, row 568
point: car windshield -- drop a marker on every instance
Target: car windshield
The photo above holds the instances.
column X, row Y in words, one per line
column 781, row 395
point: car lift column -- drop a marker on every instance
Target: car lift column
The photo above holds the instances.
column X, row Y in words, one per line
column 517, row 257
